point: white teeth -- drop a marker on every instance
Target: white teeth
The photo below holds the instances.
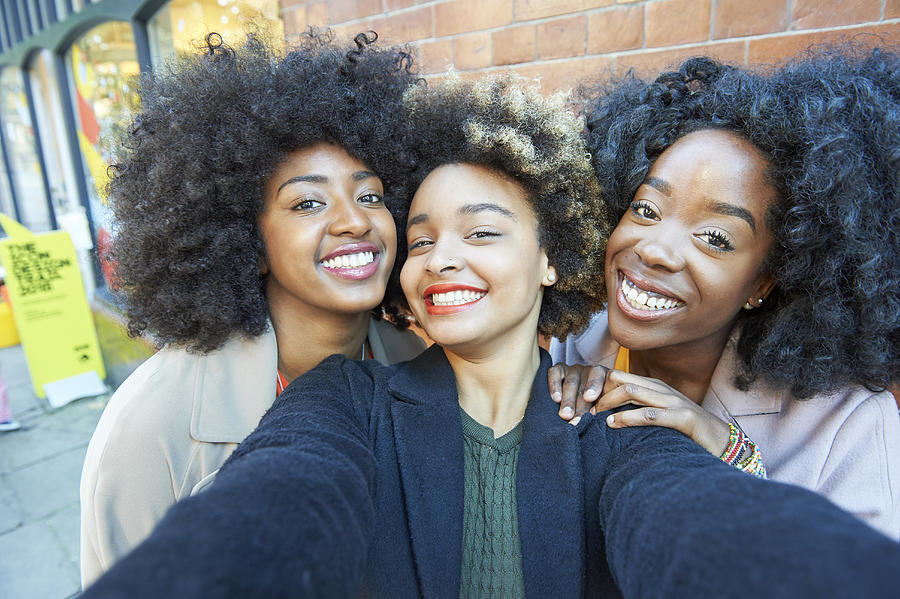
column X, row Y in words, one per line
column 350, row 260
column 646, row 300
column 456, row 297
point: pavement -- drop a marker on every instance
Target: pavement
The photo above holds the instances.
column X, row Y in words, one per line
column 40, row 470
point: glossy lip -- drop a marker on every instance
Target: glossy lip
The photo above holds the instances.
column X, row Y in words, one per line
column 353, row 273
column 445, row 288
column 642, row 315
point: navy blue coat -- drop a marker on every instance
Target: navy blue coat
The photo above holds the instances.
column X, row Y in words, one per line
column 353, row 485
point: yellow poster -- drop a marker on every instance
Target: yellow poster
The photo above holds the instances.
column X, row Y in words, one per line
column 49, row 305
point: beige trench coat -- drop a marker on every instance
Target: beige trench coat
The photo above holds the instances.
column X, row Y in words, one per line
column 171, row 425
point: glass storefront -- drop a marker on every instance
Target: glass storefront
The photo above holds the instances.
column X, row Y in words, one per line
column 105, row 72
column 180, row 26
column 27, row 175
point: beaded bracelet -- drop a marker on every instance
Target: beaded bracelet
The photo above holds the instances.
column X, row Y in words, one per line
column 738, row 445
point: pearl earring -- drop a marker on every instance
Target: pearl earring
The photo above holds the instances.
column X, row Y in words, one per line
column 551, row 277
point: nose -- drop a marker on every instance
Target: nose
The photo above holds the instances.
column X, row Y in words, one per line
column 660, row 252
column 349, row 219
column 442, row 259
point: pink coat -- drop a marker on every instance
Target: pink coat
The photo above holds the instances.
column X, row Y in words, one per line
column 844, row 445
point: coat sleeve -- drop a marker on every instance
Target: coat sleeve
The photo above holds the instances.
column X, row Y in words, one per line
column 289, row 514
column 127, row 481
column 680, row 523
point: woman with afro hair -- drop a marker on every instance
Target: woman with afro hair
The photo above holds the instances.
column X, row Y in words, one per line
column 754, row 274
column 451, row 475
column 253, row 209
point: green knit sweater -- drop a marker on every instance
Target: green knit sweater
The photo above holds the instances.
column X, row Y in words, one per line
column 491, row 555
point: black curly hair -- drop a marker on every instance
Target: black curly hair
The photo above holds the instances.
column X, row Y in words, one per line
column 829, row 124
column 188, row 187
column 502, row 123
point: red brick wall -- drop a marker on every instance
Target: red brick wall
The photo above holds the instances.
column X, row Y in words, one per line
column 565, row 41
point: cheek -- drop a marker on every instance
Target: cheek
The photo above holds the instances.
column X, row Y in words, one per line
column 408, row 279
column 388, row 232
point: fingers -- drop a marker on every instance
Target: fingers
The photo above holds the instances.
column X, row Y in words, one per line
column 554, row 381
column 595, row 379
column 675, row 418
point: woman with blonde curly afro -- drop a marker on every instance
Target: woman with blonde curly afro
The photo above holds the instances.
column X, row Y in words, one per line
column 451, row 475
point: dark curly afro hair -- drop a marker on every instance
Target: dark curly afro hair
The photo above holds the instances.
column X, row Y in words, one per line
column 188, row 188
column 829, row 123
column 504, row 124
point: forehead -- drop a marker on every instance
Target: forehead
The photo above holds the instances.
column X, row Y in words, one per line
column 321, row 159
column 452, row 187
column 715, row 164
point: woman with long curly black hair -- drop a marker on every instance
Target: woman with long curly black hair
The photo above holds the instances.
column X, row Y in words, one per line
column 754, row 274
column 254, row 205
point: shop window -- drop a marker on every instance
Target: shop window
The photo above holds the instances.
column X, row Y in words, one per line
column 180, row 26
column 104, row 72
column 27, row 177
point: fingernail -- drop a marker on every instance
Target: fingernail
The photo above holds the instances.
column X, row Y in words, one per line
column 567, row 412
column 575, row 420
column 557, row 396
column 590, row 394
column 610, row 420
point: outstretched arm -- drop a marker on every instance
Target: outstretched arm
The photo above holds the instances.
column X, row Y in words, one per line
column 679, row 522
column 299, row 488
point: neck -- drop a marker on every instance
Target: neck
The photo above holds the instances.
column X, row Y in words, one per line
column 688, row 368
column 494, row 387
column 304, row 339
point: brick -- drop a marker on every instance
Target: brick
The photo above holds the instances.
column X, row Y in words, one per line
column 649, row 64
column 317, row 14
column 514, row 45
column 616, row 30
column 294, row 20
column 463, row 16
column 735, row 18
column 565, row 75
column 673, row 22
column 562, row 38
column 892, row 11
column 407, row 26
column 540, row 9
column 344, row 33
column 627, row 1
column 472, row 51
column 812, row 14
column 398, row 4
column 775, row 50
column 435, row 57
column 340, row 11
column 290, row 3
column 368, row 8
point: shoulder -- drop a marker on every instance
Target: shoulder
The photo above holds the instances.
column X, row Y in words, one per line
column 391, row 345
column 594, row 345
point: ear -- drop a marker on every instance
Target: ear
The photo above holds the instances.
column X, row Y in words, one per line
column 764, row 286
column 263, row 265
column 549, row 276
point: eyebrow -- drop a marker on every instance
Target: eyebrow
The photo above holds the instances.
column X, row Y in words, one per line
column 466, row 210
column 320, row 179
column 732, row 210
column 722, row 208
column 659, row 184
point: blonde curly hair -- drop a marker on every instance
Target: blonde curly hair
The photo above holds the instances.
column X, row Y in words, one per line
column 503, row 122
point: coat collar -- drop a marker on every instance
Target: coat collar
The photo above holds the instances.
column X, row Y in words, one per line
column 232, row 388
column 429, row 440
column 597, row 346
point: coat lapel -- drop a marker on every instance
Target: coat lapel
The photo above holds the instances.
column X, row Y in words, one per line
column 428, row 433
column 550, row 497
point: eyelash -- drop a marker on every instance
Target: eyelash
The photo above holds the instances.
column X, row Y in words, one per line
column 639, row 205
column 483, row 233
column 716, row 240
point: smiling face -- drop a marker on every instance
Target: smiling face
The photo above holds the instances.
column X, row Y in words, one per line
column 330, row 241
column 688, row 253
column 475, row 272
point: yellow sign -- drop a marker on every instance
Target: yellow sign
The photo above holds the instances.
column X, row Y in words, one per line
column 49, row 305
